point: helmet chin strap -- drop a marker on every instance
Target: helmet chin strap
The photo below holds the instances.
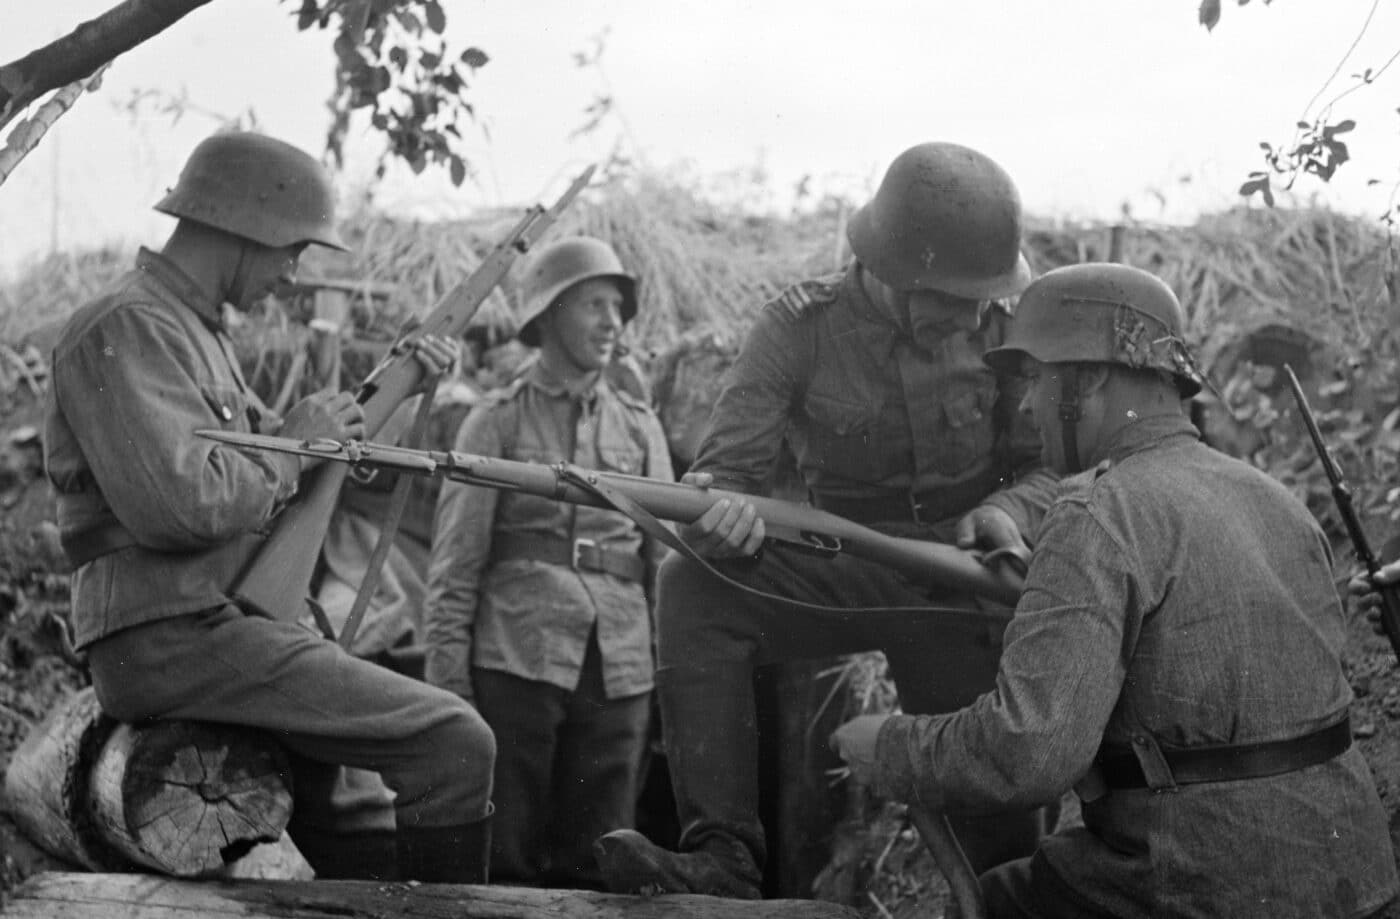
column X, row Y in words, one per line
column 240, row 274
column 1069, row 415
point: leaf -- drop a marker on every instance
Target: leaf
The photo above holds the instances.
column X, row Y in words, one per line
column 474, row 58
column 1340, row 127
column 1209, row 13
column 458, row 169
column 398, row 57
column 429, row 60
column 437, row 19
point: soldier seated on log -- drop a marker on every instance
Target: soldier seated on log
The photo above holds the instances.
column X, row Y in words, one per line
column 875, row 379
column 538, row 610
column 158, row 522
column 1175, row 657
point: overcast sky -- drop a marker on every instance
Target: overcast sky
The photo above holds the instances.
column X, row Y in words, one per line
column 1091, row 105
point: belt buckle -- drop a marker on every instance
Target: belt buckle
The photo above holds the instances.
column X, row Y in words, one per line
column 577, row 553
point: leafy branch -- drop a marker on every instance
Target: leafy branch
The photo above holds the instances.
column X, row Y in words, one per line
column 392, row 59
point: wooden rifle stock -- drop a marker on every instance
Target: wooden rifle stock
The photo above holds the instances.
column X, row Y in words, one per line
column 797, row 525
column 277, row 579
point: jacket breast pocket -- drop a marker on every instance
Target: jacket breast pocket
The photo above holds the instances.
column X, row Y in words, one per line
column 968, row 417
column 841, row 437
column 230, row 406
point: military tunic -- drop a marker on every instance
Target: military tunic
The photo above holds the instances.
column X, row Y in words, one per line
column 1177, row 598
column 902, row 439
column 159, row 521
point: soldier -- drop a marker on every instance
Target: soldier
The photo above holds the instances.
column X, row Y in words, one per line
column 158, row 521
column 1175, row 656
column 876, row 380
column 538, row 611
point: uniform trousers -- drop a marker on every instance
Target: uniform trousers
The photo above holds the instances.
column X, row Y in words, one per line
column 327, row 708
column 567, row 771
column 940, row 661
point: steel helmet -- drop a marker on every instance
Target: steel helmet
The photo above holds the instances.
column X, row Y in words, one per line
column 1100, row 312
column 562, row 265
column 944, row 218
column 256, row 187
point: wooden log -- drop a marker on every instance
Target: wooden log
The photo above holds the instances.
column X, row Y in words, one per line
column 179, row 797
column 46, row 787
column 119, row 896
column 186, row 798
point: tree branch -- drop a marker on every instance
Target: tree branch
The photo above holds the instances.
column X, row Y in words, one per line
column 86, row 48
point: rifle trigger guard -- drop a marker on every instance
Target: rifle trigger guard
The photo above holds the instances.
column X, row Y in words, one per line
column 822, row 545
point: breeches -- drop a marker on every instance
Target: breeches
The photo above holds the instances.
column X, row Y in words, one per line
column 941, row 661
column 567, row 771
column 326, row 707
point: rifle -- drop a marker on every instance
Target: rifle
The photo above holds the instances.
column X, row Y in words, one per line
column 1341, row 495
column 277, row 579
column 797, row 525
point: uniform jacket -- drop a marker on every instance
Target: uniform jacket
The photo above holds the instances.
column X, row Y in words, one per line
column 868, row 414
column 1177, row 598
column 135, row 373
column 528, row 617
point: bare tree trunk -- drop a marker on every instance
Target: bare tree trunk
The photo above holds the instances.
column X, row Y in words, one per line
column 86, row 48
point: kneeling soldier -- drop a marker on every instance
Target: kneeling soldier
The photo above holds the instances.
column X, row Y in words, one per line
column 1175, row 656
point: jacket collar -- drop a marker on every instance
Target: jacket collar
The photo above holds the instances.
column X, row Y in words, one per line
column 181, row 286
column 542, row 379
column 1145, row 434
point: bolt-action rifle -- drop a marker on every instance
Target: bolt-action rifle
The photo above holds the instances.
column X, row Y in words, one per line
column 276, row 581
column 786, row 523
column 1341, row 495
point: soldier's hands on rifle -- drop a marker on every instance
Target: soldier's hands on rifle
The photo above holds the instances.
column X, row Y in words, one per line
column 1365, row 588
column 324, row 414
column 437, row 354
column 855, row 741
column 991, row 530
column 729, row 529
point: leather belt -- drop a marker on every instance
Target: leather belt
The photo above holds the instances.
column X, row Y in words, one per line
column 580, row 554
column 1232, row 762
column 88, row 545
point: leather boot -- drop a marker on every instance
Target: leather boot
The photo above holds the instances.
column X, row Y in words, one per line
column 368, row 856
column 711, row 738
column 445, row 854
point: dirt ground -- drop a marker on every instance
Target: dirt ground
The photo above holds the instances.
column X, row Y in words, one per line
column 877, row 845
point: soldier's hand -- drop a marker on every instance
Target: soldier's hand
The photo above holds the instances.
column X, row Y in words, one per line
column 332, row 415
column 729, row 529
column 992, row 530
column 855, row 741
column 1365, row 591
column 436, row 354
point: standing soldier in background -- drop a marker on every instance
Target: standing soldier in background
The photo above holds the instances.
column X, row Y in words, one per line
column 538, row 610
column 1176, row 655
column 158, row 521
column 876, row 379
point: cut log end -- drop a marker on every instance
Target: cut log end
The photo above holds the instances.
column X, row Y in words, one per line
column 187, row 798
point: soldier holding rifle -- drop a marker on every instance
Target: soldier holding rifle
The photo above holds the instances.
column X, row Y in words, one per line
column 538, row 611
column 157, row 521
column 875, row 378
column 1175, row 656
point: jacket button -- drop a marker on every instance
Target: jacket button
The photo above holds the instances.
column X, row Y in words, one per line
column 226, row 412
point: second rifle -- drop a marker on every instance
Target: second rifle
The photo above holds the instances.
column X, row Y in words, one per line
column 787, row 523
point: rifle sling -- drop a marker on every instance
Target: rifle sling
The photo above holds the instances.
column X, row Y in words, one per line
column 398, row 500
column 657, row 530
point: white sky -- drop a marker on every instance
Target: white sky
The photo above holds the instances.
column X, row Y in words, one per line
column 1089, row 104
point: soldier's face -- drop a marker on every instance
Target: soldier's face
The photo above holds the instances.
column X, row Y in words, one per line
column 586, row 322
column 1041, row 402
column 264, row 270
